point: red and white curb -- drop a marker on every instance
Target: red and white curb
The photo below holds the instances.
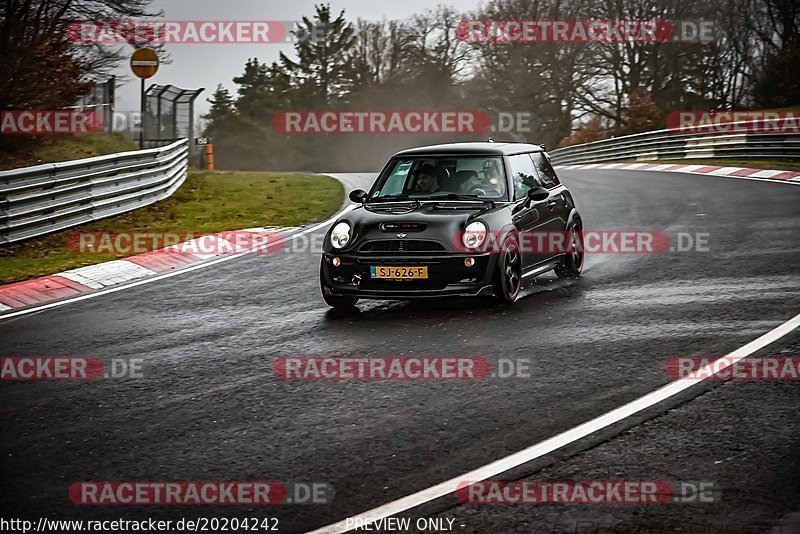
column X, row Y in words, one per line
column 102, row 275
column 714, row 170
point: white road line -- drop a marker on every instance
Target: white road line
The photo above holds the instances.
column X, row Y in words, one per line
column 565, row 438
column 173, row 273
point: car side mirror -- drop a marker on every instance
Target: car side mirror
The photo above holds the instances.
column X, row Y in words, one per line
column 537, row 194
column 358, row 196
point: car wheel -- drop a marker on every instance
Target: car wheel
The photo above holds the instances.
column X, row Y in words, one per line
column 571, row 263
column 336, row 301
column 340, row 302
column 508, row 278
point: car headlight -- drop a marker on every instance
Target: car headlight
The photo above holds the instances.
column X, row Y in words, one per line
column 474, row 235
column 340, row 235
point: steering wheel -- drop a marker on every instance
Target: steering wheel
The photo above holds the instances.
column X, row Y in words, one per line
column 481, row 191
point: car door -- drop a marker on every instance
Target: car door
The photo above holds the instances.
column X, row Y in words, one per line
column 557, row 204
column 530, row 217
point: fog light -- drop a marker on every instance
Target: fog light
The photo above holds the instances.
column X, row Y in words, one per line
column 336, row 262
column 469, row 262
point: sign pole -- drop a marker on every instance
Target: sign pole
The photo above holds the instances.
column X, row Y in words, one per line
column 141, row 117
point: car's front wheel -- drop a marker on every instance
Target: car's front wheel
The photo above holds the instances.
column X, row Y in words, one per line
column 508, row 278
column 571, row 263
column 339, row 302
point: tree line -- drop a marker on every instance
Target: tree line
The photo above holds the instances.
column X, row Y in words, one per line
column 574, row 91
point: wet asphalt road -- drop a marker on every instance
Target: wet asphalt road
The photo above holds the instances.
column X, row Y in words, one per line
column 209, row 408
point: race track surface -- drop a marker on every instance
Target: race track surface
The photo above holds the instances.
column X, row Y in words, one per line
column 209, row 407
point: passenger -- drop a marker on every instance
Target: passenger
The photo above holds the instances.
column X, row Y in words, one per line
column 427, row 180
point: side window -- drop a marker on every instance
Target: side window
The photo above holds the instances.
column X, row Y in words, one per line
column 523, row 175
column 546, row 173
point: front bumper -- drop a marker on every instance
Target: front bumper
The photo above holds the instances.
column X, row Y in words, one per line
column 447, row 276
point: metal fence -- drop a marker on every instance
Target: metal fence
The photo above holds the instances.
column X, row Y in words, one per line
column 100, row 99
column 169, row 114
column 757, row 141
column 47, row 198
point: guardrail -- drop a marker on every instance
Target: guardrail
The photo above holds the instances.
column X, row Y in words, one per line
column 47, row 198
column 674, row 145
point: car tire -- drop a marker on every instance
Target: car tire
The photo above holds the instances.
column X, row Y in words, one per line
column 338, row 302
column 571, row 263
column 508, row 273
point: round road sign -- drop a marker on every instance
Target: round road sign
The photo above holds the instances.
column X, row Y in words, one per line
column 144, row 62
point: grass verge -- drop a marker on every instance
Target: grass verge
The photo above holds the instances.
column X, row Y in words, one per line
column 207, row 202
column 55, row 148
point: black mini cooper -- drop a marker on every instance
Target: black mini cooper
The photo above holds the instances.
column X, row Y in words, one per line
column 453, row 220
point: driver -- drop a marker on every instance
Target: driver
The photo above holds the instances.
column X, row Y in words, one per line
column 487, row 182
column 491, row 173
column 427, row 180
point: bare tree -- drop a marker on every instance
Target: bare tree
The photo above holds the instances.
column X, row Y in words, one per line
column 42, row 66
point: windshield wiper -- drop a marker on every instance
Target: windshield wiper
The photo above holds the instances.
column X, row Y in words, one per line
column 456, row 196
column 394, row 197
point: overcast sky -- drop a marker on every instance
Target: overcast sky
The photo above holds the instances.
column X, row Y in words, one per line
column 205, row 65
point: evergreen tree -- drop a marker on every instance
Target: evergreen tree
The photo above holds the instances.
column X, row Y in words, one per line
column 322, row 71
column 221, row 105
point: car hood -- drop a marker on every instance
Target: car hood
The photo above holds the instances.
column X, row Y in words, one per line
column 430, row 221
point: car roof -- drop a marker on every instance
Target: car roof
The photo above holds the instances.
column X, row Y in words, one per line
column 469, row 149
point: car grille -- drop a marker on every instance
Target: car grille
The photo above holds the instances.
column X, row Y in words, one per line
column 401, row 245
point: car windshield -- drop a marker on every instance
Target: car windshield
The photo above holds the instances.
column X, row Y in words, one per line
column 435, row 177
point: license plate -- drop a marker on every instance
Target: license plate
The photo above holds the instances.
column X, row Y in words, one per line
column 398, row 273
